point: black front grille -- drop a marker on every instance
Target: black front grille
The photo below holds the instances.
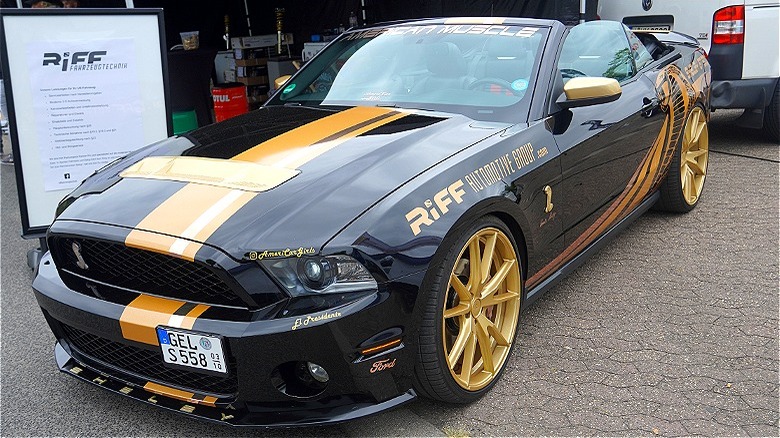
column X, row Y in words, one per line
column 144, row 271
column 146, row 364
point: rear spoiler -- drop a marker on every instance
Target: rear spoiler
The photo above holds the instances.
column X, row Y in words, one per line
column 662, row 32
column 677, row 38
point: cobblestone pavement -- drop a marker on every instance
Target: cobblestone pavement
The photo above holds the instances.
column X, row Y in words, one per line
column 671, row 329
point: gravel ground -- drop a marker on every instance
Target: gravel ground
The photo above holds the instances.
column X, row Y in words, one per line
column 671, row 329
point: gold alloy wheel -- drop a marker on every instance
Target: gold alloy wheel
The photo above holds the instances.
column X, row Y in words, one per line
column 481, row 309
column 694, row 155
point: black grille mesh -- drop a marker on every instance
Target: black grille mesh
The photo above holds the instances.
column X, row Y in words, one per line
column 146, row 363
column 145, row 271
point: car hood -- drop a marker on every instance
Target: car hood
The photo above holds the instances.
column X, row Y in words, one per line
column 272, row 181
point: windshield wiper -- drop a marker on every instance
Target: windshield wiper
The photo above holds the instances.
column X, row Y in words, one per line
column 395, row 105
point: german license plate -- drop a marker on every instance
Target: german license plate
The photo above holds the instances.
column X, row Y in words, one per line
column 192, row 350
column 655, row 28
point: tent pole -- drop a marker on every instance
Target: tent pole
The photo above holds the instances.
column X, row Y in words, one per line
column 248, row 23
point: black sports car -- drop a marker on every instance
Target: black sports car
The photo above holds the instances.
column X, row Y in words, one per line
column 374, row 231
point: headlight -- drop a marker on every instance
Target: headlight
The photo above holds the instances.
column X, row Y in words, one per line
column 320, row 275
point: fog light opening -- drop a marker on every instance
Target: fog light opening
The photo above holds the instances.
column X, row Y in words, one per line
column 300, row 379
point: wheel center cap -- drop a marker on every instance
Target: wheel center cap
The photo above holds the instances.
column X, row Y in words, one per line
column 476, row 307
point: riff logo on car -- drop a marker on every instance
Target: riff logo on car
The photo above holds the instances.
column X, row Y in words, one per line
column 428, row 214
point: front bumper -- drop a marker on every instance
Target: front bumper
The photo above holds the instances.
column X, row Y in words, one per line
column 742, row 93
column 334, row 410
column 255, row 349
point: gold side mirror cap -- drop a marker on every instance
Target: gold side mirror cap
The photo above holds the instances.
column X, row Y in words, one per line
column 588, row 88
column 280, row 81
column 584, row 91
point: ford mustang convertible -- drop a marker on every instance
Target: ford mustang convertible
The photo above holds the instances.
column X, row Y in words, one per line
column 374, row 231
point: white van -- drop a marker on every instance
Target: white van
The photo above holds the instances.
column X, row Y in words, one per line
column 742, row 40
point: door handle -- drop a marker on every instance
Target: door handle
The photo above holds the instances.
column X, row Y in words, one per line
column 649, row 106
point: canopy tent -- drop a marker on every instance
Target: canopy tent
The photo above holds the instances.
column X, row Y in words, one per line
column 307, row 18
column 304, row 19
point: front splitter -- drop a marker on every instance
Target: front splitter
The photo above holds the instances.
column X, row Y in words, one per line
column 334, row 410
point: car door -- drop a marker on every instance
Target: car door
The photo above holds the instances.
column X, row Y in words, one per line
column 603, row 144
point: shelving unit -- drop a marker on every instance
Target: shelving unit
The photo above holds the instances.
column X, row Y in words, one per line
column 252, row 54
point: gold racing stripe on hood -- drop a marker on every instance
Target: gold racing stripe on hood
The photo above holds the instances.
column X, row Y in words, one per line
column 187, row 218
column 174, row 216
column 279, row 150
column 231, row 174
column 141, row 317
column 193, row 213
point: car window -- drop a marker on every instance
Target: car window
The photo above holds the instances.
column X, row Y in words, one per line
column 597, row 48
column 482, row 71
column 642, row 56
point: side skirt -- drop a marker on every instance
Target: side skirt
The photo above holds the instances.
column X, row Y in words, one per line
column 580, row 258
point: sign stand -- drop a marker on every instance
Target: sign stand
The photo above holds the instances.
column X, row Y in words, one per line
column 84, row 87
column 35, row 255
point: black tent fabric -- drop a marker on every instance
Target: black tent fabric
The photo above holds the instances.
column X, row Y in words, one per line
column 567, row 10
column 304, row 18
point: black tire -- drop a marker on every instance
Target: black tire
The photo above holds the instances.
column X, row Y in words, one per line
column 772, row 116
column 433, row 378
column 672, row 198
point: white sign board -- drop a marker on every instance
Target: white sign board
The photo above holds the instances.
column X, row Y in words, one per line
column 85, row 88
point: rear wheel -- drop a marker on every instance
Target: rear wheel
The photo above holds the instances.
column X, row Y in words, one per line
column 682, row 188
column 772, row 116
column 471, row 314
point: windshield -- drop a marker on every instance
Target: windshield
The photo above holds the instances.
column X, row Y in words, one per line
column 482, row 71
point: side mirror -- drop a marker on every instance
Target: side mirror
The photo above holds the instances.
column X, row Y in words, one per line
column 280, row 81
column 585, row 91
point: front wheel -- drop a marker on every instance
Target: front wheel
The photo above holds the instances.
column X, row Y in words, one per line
column 682, row 188
column 471, row 314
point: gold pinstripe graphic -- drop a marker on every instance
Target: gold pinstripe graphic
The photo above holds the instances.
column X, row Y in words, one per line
column 676, row 96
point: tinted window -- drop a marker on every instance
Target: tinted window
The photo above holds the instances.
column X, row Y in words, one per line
column 597, row 48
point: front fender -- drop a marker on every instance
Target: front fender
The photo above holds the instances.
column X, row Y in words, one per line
column 400, row 235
